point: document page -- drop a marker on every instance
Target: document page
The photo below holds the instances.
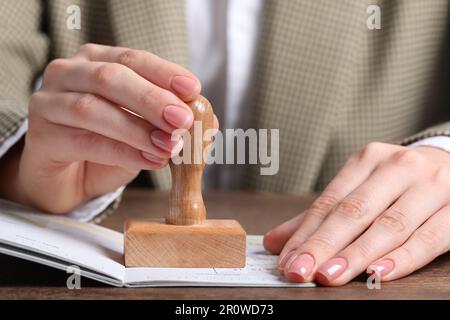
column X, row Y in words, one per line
column 260, row 271
column 76, row 243
column 60, row 242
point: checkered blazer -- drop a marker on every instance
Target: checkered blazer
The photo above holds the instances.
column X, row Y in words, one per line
column 323, row 78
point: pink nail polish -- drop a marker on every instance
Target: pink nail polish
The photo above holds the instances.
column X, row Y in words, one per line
column 383, row 267
column 163, row 140
column 152, row 158
column 177, row 116
column 332, row 269
column 301, row 267
column 285, row 259
column 185, row 86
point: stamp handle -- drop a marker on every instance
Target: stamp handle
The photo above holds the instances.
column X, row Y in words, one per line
column 186, row 205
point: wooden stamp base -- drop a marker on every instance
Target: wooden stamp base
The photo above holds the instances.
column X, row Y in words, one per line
column 213, row 244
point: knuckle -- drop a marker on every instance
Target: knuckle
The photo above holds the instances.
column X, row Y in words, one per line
column 323, row 204
column 129, row 57
column 83, row 106
column 106, row 72
column 351, row 208
column 316, row 214
column 393, row 220
column 430, row 239
column 87, row 49
column 369, row 150
column 408, row 158
column 362, row 250
column 119, row 149
column 320, row 243
column 148, row 98
column 441, row 177
column 55, row 68
column 85, row 141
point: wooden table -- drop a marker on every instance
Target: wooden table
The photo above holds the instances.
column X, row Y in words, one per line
column 257, row 212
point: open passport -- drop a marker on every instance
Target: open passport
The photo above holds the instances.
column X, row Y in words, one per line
column 97, row 253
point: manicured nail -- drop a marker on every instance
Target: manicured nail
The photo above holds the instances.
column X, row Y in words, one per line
column 332, row 268
column 177, row 116
column 163, row 140
column 382, row 267
column 152, row 158
column 185, row 86
column 301, row 267
column 285, row 259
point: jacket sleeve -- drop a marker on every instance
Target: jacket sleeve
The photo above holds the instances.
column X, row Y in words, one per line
column 23, row 53
column 442, row 129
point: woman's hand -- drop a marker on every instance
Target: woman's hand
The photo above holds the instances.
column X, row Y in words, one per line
column 387, row 210
column 99, row 118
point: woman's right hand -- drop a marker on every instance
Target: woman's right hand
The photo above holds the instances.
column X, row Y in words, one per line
column 98, row 119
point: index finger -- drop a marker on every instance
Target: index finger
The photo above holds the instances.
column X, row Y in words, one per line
column 161, row 72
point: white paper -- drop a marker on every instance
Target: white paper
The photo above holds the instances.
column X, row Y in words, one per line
column 59, row 242
column 77, row 243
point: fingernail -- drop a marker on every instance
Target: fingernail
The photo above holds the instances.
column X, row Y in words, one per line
column 185, row 86
column 301, row 267
column 178, row 116
column 332, row 268
column 152, row 157
column 285, row 259
column 382, row 267
column 164, row 141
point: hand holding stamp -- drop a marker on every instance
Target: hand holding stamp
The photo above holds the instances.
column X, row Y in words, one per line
column 187, row 238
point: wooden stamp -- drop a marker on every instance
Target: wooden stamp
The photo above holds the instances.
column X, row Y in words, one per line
column 186, row 239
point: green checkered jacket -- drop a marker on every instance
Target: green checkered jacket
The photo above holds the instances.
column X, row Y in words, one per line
column 323, row 78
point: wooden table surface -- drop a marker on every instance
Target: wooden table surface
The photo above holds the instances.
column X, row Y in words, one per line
column 257, row 212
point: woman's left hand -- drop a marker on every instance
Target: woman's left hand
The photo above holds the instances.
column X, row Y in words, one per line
column 387, row 211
